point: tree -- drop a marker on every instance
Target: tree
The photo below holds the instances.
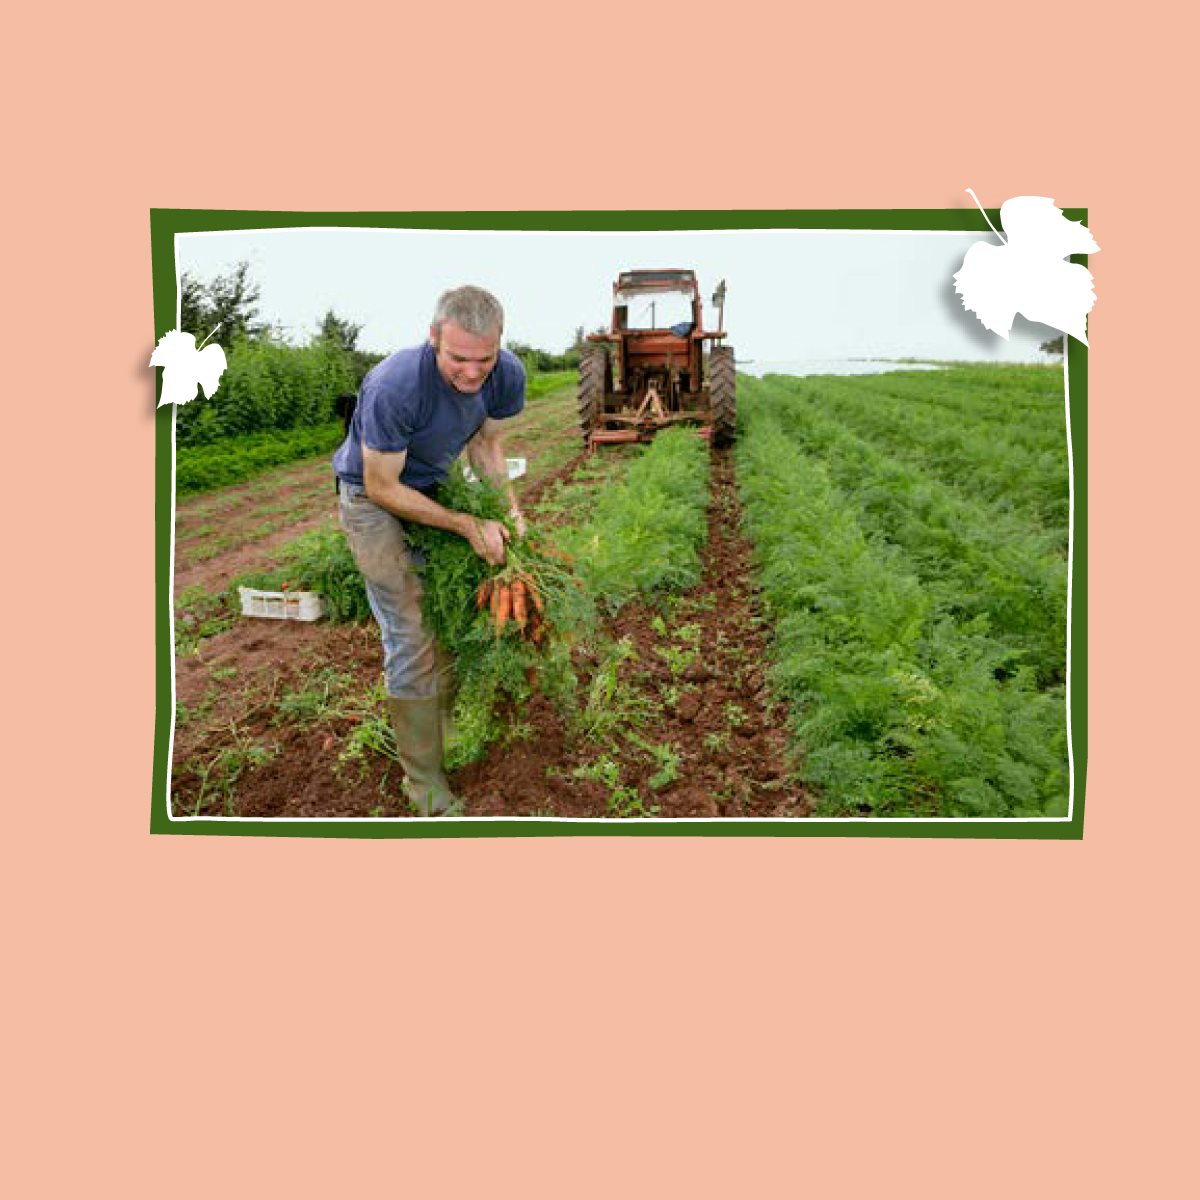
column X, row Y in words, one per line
column 228, row 300
column 340, row 333
column 1053, row 346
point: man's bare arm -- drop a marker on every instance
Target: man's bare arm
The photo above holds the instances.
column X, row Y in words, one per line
column 381, row 479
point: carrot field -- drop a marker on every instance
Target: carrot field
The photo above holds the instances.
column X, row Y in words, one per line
column 860, row 610
column 911, row 536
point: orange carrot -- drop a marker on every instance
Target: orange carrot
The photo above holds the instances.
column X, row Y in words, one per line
column 496, row 589
column 484, row 593
column 503, row 608
column 520, row 612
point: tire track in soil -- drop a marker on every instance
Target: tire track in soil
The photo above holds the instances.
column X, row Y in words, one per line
column 727, row 770
column 312, row 509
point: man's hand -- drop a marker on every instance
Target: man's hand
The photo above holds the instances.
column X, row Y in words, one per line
column 381, row 475
column 487, row 539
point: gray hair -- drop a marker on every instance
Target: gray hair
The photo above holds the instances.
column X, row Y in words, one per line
column 471, row 309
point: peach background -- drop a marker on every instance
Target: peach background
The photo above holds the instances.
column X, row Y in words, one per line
column 200, row 1016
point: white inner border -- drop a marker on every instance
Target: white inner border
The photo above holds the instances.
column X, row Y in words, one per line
column 637, row 821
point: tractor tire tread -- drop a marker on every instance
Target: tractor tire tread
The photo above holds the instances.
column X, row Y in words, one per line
column 722, row 387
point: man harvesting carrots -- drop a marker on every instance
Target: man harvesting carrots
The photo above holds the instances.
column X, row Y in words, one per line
column 417, row 410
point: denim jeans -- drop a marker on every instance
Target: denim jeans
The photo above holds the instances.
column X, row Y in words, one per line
column 377, row 541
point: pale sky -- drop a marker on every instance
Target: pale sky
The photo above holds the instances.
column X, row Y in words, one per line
column 792, row 294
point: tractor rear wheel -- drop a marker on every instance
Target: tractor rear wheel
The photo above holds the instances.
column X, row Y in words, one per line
column 722, row 395
column 594, row 376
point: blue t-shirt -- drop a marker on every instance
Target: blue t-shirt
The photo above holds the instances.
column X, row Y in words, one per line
column 405, row 404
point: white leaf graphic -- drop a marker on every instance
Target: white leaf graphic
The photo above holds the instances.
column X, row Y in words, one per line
column 1028, row 274
column 185, row 368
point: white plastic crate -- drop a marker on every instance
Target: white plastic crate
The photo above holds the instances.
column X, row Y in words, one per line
column 281, row 606
column 516, row 468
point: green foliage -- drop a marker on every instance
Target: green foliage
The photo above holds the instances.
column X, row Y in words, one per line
column 218, row 774
column 677, row 658
column 646, row 533
column 539, row 384
column 198, row 615
column 543, row 361
column 494, row 672
column 735, row 715
column 317, row 561
column 372, row 735
column 1008, row 448
column 452, row 571
column 623, row 801
column 268, row 385
column 200, row 468
column 716, row 741
column 342, row 336
column 322, row 696
column 338, row 332
column 611, row 704
column 667, row 758
column 975, row 559
column 228, row 301
column 904, row 700
column 570, row 502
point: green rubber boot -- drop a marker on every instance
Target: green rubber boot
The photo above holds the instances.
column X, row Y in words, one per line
column 417, row 721
column 447, row 690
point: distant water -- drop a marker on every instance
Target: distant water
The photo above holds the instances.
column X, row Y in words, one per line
column 831, row 366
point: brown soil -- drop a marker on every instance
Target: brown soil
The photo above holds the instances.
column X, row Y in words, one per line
column 239, row 508
column 717, row 715
column 728, row 768
column 228, row 705
column 228, row 693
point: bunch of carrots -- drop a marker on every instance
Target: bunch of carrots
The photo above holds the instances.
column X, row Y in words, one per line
column 513, row 595
column 515, row 598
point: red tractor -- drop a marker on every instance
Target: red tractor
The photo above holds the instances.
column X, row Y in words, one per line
column 645, row 374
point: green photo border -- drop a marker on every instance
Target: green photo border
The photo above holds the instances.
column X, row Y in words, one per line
column 166, row 223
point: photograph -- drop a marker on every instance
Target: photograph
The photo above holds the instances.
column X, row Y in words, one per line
column 633, row 598
column 614, row 529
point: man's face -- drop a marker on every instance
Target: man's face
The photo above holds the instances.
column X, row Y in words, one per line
column 464, row 359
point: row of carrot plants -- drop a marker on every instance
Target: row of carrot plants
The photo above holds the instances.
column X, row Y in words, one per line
column 646, row 535
column 976, row 558
column 952, row 447
column 942, row 405
column 1007, row 455
column 902, row 703
column 990, row 393
column 1029, row 386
